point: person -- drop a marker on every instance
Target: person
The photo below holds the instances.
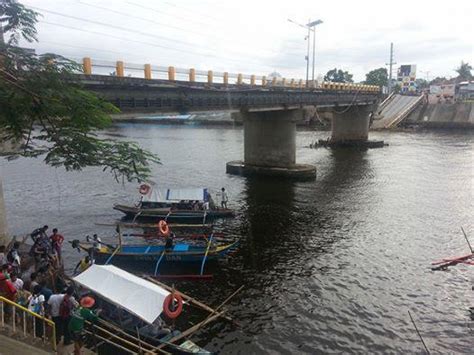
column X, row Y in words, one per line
column 36, row 305
column 54, row 303
column 41, row 248
column 33, row 281
column 56, row 242
column 83, row 264
column 224, row 198
column 39, row 232
column 68, row 304
column 205, row 206
column 170, row 241
column 16, row 281
column 6, row 269
column 7, row 288
column 45, row 290
column 13, row 256
column 96, row 242
column 78, row 318
column 3, row 259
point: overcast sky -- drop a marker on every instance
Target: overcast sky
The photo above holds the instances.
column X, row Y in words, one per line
column 254, row 37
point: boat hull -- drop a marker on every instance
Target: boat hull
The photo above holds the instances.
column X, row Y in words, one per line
column 179, row 215
column 181, row 253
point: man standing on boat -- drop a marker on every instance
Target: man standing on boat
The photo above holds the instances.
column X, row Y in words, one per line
column 224, row 198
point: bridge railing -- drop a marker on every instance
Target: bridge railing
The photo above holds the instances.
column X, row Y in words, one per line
column 191, row 75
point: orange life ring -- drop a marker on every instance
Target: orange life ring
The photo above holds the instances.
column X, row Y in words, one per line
column 144, row 189
column 167, row 303
column 164, row 228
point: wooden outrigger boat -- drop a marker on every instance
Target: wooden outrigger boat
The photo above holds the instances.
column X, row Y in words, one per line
column 160, row 255
column 172, row 205
column 140, row 315
column 180, row 253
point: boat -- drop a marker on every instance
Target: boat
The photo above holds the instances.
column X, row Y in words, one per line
column 194, row 205
column 179, row 253
column 136, row 312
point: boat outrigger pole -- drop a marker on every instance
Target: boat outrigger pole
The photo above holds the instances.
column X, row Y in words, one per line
column 205, row 255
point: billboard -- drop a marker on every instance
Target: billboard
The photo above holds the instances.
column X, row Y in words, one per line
column 406, row 77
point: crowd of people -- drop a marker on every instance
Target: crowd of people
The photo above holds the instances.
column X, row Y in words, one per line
column 32, row 288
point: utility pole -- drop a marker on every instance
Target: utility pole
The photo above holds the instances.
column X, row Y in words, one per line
column 390, row 70
column 314, row 46
column 308, row 37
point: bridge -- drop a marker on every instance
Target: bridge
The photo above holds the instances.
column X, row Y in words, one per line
column 269, row 107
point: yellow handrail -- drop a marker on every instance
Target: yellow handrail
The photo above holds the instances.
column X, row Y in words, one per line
column 36, row 315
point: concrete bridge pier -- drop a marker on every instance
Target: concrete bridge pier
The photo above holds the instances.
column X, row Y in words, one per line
column 351, row 124
column 270, row 145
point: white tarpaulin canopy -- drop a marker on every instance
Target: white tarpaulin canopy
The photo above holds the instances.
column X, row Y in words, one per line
column 140, row 297
column 175, row 195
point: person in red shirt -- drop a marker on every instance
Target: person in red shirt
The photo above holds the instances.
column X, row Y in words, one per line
column 56, row 242
column 7, row 289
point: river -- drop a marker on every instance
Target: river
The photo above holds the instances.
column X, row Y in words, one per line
column 329, row 266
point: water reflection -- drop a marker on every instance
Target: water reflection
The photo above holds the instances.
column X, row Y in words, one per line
column 269, row 208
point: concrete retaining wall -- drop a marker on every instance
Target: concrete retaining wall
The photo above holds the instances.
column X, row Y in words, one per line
column 443, row 115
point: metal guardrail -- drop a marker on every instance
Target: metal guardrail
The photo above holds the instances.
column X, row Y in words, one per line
column 23, row 321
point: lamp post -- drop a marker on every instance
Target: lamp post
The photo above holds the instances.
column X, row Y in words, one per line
column 310, row 26
column 313, row 25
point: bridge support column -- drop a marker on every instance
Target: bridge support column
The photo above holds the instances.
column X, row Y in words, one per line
column 270, row 145
column 351, row 125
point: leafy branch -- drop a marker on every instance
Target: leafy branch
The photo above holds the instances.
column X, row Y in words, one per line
column 47, row 112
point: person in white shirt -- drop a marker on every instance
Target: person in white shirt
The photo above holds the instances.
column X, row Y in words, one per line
column 18, row 283
column 224, row 198
column 36, row 305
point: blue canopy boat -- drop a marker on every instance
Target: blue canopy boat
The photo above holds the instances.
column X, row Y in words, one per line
column 180, row 253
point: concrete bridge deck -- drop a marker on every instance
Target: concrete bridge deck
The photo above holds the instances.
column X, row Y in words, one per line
column 131, row 94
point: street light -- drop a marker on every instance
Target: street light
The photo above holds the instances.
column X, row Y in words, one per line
column 310, row 26
column 313, row 25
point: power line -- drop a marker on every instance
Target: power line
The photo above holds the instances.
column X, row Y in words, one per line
column 111, row 26
column 165, row 25
column 141, row 18
column 207, row 24
column 187, row 9
column 151, row 44
column 167, row 14
column 122, row 28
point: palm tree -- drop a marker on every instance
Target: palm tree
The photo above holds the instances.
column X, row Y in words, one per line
column 464, row 71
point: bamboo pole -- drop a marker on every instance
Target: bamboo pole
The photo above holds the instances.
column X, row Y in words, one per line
column 125, row 341
column 124, row 333
column 112, row 343
column 189, row 299
column 190, row 330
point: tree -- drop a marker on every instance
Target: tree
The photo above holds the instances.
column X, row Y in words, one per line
column 377, row 77
column 338, row 76
column 439, row 80
column 48, row 114
column 421, row 84
column 464, row 72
